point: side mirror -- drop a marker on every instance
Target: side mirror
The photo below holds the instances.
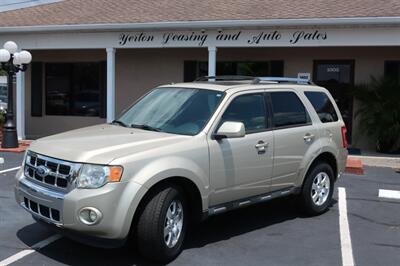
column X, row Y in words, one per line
column 230, row 130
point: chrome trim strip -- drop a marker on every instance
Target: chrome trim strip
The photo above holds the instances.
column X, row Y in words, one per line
column 41, row 190
column 221, row 209
column 265, row 197
column 70, row 177
column 244, row 203
column 249, row 201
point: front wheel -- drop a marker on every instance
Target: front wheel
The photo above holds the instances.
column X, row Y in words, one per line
column 161, row 226
column 318, row 189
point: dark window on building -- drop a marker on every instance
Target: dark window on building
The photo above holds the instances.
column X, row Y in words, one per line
column 248, row 109
column 195, row 69
column 392, row 70
column 333, row 73
column 323, row 106
column 75, row 89
column 288, row 110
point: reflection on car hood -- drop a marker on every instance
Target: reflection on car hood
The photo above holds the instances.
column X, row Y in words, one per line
column 102, row 143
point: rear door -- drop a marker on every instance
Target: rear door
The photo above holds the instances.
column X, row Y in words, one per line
column 293, row 135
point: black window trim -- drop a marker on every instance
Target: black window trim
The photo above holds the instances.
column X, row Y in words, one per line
column 266, row 110
column 334, row 108
column 289, row 126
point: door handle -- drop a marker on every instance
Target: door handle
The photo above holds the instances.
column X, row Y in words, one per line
column 308, row 137
column 260, row 146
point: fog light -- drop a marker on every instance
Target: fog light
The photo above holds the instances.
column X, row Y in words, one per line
column 90, row 216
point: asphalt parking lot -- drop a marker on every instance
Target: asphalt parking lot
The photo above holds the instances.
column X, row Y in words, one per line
column 274, row 233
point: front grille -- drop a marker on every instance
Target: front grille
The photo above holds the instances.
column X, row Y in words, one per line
column 54, row 172
column 42, row 210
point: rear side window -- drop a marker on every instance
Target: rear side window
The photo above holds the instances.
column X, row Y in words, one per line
column 288, row 110
column 248, row 109
column 323, row 106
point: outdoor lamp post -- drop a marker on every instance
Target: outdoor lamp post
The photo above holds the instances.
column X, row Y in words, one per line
column 12, row 62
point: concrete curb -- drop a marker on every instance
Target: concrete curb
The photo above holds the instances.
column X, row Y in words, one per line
column 379, row 161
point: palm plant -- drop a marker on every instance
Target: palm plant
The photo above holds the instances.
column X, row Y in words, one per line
column 379, row 112
column 2, row 117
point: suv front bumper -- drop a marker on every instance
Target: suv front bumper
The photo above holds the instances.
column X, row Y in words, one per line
column 117, row 203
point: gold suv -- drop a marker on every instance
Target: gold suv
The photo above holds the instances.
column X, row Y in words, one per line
column 184, row 152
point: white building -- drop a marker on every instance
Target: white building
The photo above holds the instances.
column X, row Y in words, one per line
column 92, row 59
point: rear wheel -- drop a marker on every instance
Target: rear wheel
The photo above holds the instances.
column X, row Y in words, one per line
column 318, row 189
column 161, row 226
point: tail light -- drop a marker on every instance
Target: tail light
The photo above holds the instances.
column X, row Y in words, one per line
column 344, row 137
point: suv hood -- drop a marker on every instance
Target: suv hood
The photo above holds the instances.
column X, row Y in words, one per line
column 102, row 144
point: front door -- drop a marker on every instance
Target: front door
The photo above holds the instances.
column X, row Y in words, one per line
column 240, row 168
column 337, row 76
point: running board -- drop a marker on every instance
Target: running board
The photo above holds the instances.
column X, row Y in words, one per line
column 250, row 201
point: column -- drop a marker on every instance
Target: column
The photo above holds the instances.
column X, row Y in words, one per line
column 110, row 84
column 212, row 60
column 20, row 104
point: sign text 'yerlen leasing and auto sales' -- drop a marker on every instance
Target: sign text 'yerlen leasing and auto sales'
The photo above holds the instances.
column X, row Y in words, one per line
column 222, row 38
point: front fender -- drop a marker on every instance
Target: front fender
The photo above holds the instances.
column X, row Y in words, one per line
column 174, row 166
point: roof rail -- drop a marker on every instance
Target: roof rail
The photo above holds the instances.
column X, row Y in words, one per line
column 254, row 80
column 225, row 78
column 282, row 80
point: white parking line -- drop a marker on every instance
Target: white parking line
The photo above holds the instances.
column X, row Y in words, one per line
column 9, row 170
column 389, row 194
column 345, row 239
column 26, row 252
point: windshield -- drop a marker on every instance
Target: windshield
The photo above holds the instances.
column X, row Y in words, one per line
column 174, row 110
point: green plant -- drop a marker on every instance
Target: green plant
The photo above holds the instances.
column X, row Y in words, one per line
column 379, row 112
column 2, row 117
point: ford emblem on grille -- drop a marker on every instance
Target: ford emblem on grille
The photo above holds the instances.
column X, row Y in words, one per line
column 42, row 171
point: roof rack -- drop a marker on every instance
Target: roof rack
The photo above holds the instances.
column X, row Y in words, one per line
column 255, row 80
column 282, row 80
column 225, row 78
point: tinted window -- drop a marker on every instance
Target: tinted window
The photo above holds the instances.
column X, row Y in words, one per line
column 248, row 109
column 74, row 89
column 333, row 73
column 323, row 106
column 288, row 110
column 392, row 70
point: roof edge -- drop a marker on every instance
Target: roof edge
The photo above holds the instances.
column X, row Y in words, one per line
column 206, row 24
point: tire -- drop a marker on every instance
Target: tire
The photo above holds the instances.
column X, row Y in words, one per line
column 151, row 242
column 316, row 196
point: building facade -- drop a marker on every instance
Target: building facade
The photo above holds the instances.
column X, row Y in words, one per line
column 86, row 71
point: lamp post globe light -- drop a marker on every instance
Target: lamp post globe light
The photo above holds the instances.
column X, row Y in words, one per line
column 12, row 62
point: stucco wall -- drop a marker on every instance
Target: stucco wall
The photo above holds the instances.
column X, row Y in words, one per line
column 138, row 70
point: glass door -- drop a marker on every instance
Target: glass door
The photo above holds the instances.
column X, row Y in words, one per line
column 337, row 76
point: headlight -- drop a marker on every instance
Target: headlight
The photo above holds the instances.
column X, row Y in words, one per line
column 95, row 176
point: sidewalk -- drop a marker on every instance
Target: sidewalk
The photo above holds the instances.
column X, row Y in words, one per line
column 378, row 159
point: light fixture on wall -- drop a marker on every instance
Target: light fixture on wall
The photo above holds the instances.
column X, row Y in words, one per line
column 12, row 62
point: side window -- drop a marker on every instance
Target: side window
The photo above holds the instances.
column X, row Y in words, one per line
column 288, row 110
column 248, row 109
column 322, row 105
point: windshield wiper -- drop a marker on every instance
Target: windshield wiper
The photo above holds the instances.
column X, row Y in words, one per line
column 146, row 127
column 119, row 123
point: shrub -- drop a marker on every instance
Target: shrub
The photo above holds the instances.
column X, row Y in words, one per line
column 379, row 112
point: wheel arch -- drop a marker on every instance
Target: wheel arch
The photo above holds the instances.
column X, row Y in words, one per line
column 327, row 157
column 187, row 186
